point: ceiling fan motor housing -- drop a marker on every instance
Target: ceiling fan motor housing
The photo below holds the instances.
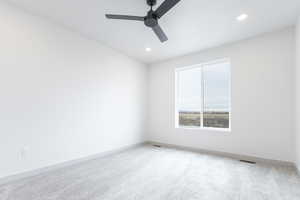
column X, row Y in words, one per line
column 150, row 19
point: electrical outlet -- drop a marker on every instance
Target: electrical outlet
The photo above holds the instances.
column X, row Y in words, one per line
column 24, row 152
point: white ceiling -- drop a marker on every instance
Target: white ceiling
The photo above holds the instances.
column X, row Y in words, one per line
column 191, row 26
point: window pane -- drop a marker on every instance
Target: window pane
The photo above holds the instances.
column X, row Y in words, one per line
column 189, row 97
column 216, row 95
column 189, row 118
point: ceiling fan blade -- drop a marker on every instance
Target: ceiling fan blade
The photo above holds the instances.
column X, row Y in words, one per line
column 165, row 7
column 160, row 33
column 125, row 17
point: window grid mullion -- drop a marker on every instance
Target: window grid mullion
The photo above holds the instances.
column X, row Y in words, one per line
column 202, row 98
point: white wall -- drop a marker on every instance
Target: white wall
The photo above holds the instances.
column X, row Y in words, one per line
column 297, row 94
column 261, row 99
column 63, row 97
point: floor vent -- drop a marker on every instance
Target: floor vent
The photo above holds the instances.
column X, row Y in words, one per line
column 248, row 161
column 156, row 145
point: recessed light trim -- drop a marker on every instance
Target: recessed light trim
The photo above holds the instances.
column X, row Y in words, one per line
column 148, row 49
column 242, row 17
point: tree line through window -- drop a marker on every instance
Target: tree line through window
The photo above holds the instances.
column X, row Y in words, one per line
column 203, row 95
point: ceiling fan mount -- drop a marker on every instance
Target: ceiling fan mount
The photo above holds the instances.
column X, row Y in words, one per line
column 151, row 2
column 152, row 17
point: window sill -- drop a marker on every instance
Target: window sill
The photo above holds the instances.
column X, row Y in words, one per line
column 227, row 130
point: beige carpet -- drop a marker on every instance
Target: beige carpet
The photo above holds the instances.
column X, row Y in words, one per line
column 150, row 173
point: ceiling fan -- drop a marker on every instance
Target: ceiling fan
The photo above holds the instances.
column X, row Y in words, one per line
column 151, row 19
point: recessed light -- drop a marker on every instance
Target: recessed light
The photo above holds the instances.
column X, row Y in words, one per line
column 148, row 49
column 242, row 17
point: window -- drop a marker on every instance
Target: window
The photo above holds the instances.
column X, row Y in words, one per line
column 203, row 96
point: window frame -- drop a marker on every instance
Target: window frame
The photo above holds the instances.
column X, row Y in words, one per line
column 202, row 65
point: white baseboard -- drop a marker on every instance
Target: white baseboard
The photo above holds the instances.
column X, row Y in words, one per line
column 11, row 178
column 224, row 154
column 8, row 179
